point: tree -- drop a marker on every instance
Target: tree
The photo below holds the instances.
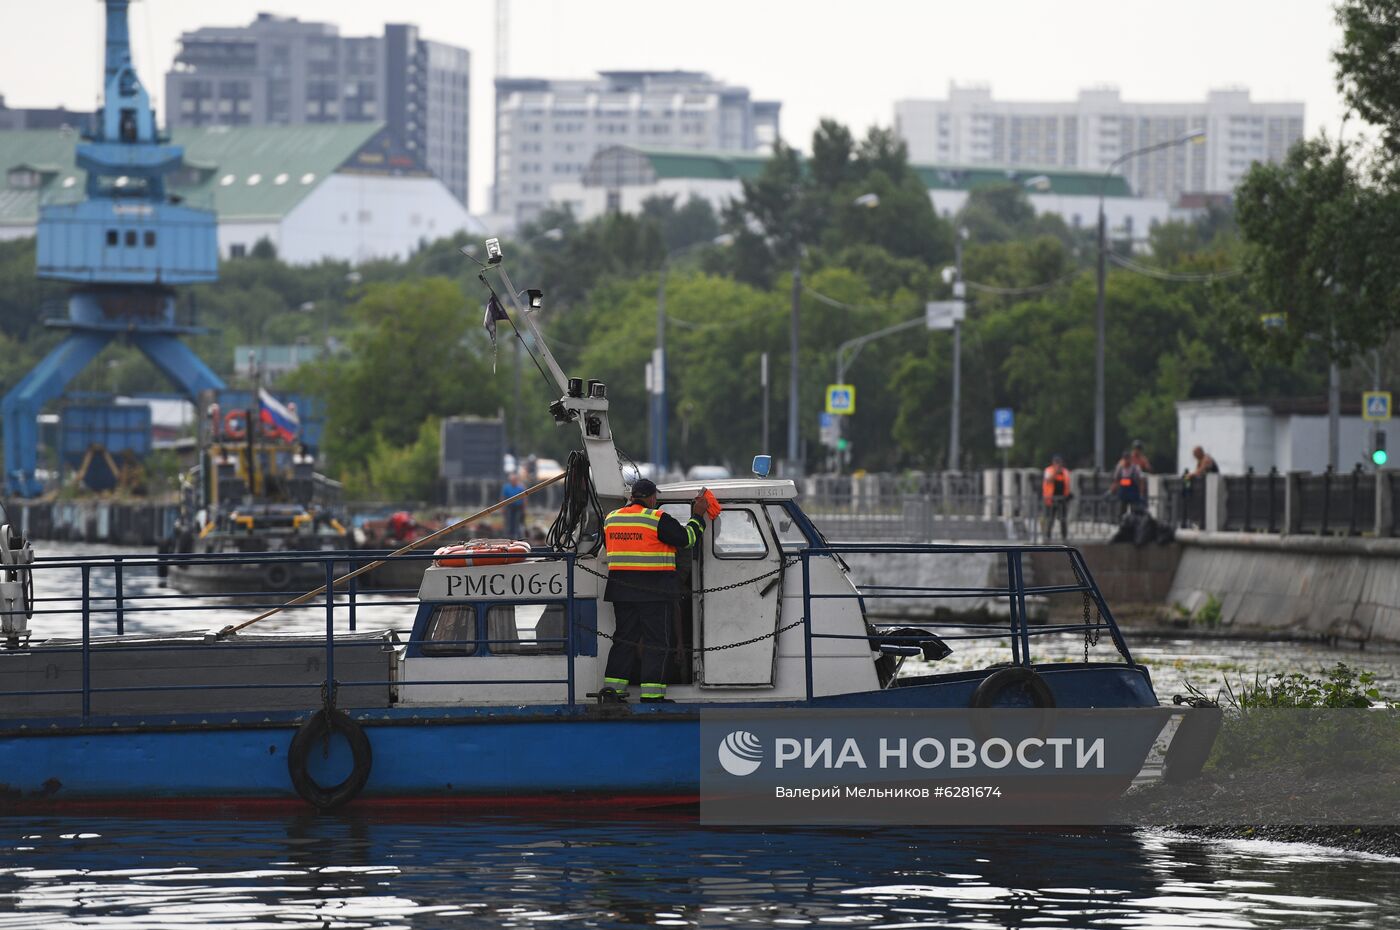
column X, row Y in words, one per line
column 1322, row 248
column 692, row 223
column 418, row 351
column 1368, row 70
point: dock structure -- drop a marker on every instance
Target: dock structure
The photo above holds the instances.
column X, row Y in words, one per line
column 124, row 242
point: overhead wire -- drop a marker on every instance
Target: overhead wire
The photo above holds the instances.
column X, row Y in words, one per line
column 1028, row 289
column 1122, row 261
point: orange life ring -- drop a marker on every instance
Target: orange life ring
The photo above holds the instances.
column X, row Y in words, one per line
column 463, row 556
column 235, row 424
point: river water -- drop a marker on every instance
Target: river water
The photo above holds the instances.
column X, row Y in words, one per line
column 340, row 871
column 351, row 871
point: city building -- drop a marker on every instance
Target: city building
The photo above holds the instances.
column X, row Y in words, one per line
column 336, row 191
column 40, row 117
column 1089, row 133
column 621, row 178
column 548, row 130
column 280, row 71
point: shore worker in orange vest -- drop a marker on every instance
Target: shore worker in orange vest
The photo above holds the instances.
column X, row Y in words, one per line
column 642, row 543
column 1054, row 490
column 1128, row 484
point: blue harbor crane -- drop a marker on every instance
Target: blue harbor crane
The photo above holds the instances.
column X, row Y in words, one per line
column 123, row 248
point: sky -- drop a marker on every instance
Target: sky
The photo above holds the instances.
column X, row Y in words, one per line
column 821, row 58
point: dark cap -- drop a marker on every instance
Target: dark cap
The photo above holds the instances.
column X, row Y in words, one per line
column 643, row 487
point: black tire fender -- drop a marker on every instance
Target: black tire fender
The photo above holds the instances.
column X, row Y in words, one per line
column 994, row 684
column 278, row 577
column 319, row 726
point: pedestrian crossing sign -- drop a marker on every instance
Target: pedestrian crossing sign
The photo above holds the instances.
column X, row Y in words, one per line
column 841, row 399
column 1375, row 405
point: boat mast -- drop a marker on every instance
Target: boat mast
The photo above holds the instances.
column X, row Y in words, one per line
column 589, row 407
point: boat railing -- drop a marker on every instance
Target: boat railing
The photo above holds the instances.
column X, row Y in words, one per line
column 1016, row 593
column 108, row 601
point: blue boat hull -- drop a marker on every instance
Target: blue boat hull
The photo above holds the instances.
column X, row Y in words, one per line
column 633, row 755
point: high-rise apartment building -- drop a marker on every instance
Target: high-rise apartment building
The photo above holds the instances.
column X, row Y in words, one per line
column 547, row 130
column 279, row 70
column 1091, row 132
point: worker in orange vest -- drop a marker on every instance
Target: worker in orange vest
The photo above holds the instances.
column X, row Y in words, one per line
column 1054, row 490
column 642, row 542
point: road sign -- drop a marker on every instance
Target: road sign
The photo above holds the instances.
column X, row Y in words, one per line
column 829, row 431
column 1375, row 405
column 1004, row 426
column 942, row 314
column 841, row 399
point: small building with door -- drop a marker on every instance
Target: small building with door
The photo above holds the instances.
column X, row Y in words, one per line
column 1289, row 434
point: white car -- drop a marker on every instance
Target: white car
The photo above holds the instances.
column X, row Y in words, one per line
column 707, row 473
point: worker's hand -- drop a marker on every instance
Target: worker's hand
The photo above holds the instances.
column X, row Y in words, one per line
column 698, row 506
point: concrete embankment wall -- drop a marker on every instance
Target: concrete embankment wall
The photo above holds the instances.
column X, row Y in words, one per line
column 902, row 572
column 1330, row 586
column 1135, row 581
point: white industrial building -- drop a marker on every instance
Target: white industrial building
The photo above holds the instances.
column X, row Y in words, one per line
column 1290, row 435
column 548, row 130
column 344, row 191
column 621, row 178
column 1089, row 133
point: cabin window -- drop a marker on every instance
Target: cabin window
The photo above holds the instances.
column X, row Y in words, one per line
column 451, row 631
column 131, row 238
column 112, row 238
column 525, row 629
column 150, row 239
column 737, row 536
column 790, row 535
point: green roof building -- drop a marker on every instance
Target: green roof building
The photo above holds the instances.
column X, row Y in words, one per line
column 337, row 190
column 620, row 178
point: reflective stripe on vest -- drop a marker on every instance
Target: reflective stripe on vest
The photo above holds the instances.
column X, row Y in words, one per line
column 630, row 534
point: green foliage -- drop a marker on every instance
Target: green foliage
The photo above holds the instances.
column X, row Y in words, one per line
column 1368, row 72
column 412, row 350
column 1295, row 720
column 1003, row 212
column 415, row 353
column 1343, row 686
column 1319, row 231
column 400, row 473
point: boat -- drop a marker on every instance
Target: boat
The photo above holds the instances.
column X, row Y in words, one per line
column 253, row 490
column 492, row 693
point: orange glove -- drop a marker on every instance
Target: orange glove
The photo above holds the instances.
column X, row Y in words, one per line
column 712, row 507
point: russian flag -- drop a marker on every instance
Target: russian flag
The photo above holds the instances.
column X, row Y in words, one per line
column 277, row 417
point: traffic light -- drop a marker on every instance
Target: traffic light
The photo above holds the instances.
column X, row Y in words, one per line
column 1378, row 453
column 842, row 444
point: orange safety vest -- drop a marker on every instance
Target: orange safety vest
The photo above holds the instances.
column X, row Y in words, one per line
column 1054, row 474
column 630, row 534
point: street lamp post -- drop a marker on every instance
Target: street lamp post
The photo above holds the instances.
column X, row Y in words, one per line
column 793, row 365
column 869, row 201
column 847, row 352
column 959, row 293
column 1195, row 135
column 658, row 404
